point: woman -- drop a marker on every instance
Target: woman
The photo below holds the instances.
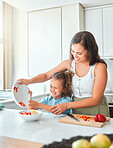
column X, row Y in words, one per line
column 89, row 81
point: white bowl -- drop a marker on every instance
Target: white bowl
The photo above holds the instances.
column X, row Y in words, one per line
column 20, row 94
column 33, row 117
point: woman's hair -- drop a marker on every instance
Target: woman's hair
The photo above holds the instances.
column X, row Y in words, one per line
column 87, row 40
column 66, row 78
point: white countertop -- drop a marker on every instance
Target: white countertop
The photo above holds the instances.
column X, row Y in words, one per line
column 46, row 130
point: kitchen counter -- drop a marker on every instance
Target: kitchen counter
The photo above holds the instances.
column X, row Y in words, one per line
column 46, row 130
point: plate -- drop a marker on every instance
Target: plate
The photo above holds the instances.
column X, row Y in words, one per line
column 20, row 94
column 35, row 116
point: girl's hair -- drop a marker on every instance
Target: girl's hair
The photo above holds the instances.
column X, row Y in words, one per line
column 66, row 78
column 87, row 40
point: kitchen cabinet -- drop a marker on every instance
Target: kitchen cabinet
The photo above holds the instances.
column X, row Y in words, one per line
column 44, row 40
column 108, row 31
column 98, row 20
column 93, row 23
column 72, row 22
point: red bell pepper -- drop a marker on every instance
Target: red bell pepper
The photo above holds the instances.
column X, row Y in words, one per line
column 100, row 118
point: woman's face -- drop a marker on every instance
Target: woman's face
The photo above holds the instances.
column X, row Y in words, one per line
column 79, row 53
column 56, row 88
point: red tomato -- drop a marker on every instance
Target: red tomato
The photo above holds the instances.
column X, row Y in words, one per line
column 26, row 113
column 16, row 89
column 85, row 119
column 29, row 113
column 21, row 103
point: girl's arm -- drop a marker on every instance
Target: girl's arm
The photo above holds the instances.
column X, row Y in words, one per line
column 46, row 76
column 100, row 82
column 36, row 105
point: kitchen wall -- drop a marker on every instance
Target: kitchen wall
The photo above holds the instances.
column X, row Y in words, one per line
column 109, row 86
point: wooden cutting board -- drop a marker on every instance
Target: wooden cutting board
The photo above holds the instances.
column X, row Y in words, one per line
column 92, row 123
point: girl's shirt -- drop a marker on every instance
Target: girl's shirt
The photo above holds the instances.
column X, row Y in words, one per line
column 52, row 101
column 82, row 86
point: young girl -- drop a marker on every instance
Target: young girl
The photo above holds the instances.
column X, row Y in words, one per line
column 61, row 92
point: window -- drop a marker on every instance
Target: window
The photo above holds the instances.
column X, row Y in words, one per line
column 1, row 47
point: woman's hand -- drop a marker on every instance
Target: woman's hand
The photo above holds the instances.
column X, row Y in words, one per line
column 58, row 109
column 30, row 92
column 23, row 81
column 33, row 105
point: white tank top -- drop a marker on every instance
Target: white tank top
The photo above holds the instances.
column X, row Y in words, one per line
column 82, row 86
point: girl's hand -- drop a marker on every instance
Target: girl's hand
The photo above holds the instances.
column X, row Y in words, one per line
column 58, row 109
column 23, row 81
column 33, row 105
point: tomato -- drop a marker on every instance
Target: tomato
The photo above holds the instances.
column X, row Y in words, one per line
column 29, row 113
column 21, row 103
column 85, row 118
column 26, row 113
column 16, row 89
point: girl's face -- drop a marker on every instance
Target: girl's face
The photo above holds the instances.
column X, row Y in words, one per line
column 56, row 88
column 79, row 53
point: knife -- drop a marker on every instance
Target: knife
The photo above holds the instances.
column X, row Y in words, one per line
column 70, row 115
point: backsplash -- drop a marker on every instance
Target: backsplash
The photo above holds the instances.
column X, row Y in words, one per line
column 110, row 74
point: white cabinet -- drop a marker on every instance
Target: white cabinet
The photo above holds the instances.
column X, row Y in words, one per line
column 99, row 21
column 108, row 31
column 72, row 22
column 44, row 40
column 93, row 23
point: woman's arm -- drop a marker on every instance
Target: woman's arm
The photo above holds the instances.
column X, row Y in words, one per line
column 63, row 66
column 100, row 82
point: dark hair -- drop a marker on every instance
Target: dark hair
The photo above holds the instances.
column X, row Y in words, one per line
column 87, row 40
column 66, row 78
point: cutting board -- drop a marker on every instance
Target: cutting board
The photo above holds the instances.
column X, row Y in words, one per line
column 92, row 123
